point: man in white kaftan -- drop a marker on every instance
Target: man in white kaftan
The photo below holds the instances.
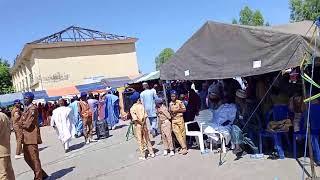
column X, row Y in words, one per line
column 222, row 119
column 223, row 115
column 62, row 120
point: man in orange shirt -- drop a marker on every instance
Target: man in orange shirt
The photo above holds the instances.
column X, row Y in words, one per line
column 87, row 118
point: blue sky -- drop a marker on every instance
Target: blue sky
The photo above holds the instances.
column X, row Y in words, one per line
column 157, row 24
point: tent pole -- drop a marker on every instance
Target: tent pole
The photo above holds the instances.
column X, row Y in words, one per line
column 165, row 93
column 313, row 173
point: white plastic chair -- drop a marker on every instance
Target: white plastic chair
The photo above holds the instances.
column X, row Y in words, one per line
column 222, row 140
column 197, row 134
column 203, row 117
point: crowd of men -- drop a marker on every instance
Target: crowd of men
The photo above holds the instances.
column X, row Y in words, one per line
column 230, row 101
column 233, row 104
column 82, row 116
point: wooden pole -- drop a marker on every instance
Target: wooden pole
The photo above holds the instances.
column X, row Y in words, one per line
column 165, row 93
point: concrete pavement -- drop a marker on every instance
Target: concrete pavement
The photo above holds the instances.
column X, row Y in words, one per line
column 117, row 159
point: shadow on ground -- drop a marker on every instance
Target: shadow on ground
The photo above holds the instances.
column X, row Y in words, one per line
column 121, row 126
column 43, row 148
column 77, row 146
column 59, row 174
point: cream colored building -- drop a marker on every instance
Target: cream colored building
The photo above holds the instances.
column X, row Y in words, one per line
column 59, row 61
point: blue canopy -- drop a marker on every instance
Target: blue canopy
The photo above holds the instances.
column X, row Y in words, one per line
column 7, row 99
column 53, row 98
column 90, row 87
column 40, row 94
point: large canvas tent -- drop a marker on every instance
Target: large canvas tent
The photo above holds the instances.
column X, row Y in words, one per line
column 219, row 51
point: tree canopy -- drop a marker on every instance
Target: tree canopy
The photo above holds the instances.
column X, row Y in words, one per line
column 246, row 16
column 257, row 19
column 163, row 57
column 304, row 10
column 5, row 77
column 250, row 17
column 234, row 21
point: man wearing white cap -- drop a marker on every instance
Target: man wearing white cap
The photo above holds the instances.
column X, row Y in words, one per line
column 62, row 120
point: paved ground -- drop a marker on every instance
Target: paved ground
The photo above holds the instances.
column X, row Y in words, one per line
column 116, row 159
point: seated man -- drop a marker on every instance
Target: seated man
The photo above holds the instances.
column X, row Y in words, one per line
column 242, row 126
column 245, row 110
column 224, row 113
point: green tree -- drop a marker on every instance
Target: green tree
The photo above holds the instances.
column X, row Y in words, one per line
column 304, row 10
column 257, row 19
column 234, row 21
column 246, row 15
column 250, row 17
column 163, row 57
column 5, row 77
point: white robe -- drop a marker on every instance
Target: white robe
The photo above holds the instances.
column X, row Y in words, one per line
column 215, row 129
column 62, row 119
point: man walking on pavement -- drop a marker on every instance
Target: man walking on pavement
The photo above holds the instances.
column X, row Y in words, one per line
column 76, row 116
column 93, row 104
column 31, row 137
column 148, row 97
column 62, row 121
column 16, row 121
column 6, row 171
column 86, row 116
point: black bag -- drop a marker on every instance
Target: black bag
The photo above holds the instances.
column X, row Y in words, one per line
column 102, row 129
